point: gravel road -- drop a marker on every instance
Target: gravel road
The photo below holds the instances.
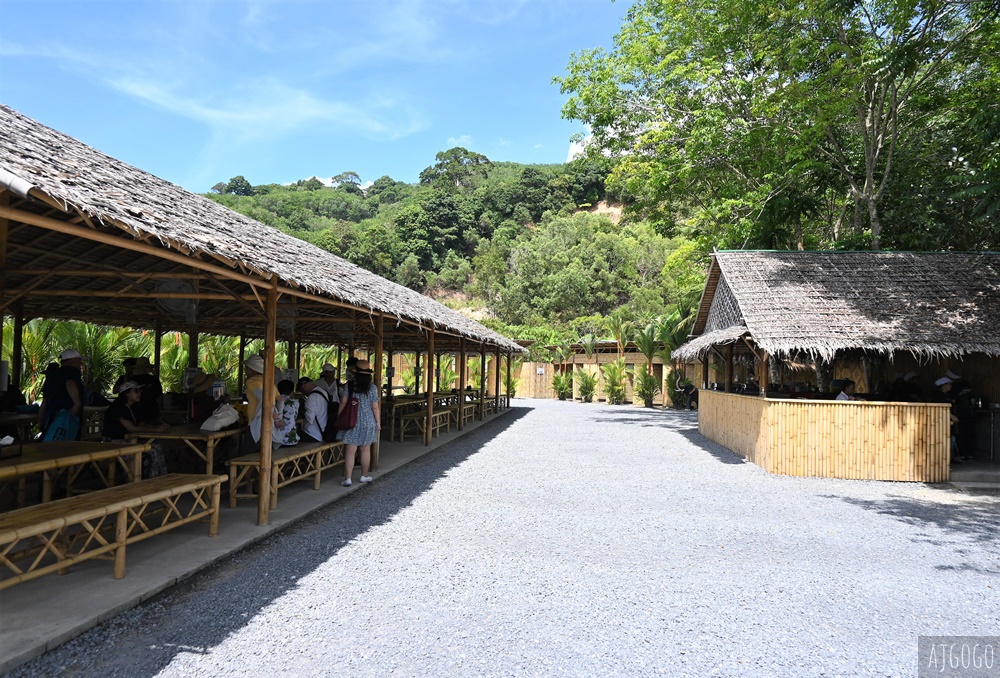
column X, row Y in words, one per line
column 570, row 539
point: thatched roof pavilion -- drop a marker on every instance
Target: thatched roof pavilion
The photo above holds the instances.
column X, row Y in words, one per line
column 929, row 304
column 88, row 237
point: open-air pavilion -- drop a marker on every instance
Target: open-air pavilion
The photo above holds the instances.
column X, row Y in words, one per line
column 86, row 237
column 789, row 323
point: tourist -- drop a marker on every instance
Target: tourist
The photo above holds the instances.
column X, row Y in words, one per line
column 62, row 399
column 148, row 410
column 286, row 434
column 314, row 420
column 255, row 401
column 365, row 431
column 121, row 420
column 203, row 404
column 327, row 381
column 847, row 390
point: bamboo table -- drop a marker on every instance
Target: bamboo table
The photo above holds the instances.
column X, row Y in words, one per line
column 70, row 457
column 23, row 422
column 194, row 438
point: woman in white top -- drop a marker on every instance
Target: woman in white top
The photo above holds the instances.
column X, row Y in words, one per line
column 315, row 416
column 847, row 392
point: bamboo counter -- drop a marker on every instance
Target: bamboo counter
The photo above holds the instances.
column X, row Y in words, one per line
column 856, row 440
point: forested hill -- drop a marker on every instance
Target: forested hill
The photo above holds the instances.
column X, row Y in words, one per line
column 514, row 245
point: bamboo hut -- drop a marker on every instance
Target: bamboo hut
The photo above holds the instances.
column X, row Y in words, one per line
column 867, row 316
column 84, row 236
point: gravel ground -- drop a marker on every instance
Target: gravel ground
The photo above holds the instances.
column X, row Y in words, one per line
column 579, row 540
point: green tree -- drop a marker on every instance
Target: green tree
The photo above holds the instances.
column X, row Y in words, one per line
column 456, row 168
column 238, row 185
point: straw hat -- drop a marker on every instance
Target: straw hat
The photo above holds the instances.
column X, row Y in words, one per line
column 255, row 363
column 203, row 382
column 363, row 366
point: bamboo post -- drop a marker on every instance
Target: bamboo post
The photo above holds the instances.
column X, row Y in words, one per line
column 437, row 373
column 17, row 358
column 266, row 420
column 704, row 371
column 340, row 363
column 496, row 381
column 157, row 346
column 416, row 372
column 507, row 385
column 482, row 382
column 428, row 428
column 729, row 368
column 239, row 368
column 765, row 373
column 4, row 202
column 379, row 369
column 193, row 347
column 461, row 382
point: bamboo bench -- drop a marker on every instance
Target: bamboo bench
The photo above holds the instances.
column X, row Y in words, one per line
column 288, row 464
column 440, row 419
column 61, row 533
column 468, row 410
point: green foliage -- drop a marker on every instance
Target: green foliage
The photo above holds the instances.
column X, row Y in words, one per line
column 238, row 185
column 563, row 385
column 615, row 374
column 586, row 384
column 646, row 386
column 589, row 344
column 409, row 379
column 510, row 381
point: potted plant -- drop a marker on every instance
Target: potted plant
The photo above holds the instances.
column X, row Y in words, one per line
column 646, row 386
column 614, row 381
column 563, row 385
column 587, row 383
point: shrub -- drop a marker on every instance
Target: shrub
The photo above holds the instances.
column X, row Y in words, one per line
column 587, row 383
column 563, row 385
column 646, row 386
column 614, row 381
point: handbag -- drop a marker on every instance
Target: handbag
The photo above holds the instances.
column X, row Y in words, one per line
column 64, row 426
column 225, row 415
column 348, row 417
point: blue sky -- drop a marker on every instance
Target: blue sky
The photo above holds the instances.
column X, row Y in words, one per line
column 198, row 91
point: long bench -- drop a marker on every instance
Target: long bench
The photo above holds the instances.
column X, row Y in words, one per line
column 55, row 535
column 288, row 465
column 418, row 420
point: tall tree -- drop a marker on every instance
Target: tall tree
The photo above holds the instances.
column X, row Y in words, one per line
column 732, row 104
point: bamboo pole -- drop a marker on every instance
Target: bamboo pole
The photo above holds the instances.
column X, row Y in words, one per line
column 507, row 385
column 266, row 420
column 482, row 381
column 704, row 372
column 430, row 392
column 496, row 381
column 4, row 225
column 461, row 383
column 157, row 346
column 379, row 369
column 437, row 373
column 17, row 359
column 416, row 372
column 729, row 368
column 239, row 368
column 765, row 372
column 193, row 346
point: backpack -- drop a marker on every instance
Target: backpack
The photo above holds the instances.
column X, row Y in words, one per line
column 330, row 431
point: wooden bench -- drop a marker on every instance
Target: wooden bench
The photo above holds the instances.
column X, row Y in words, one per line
column 418, row 420
column 491, row 406
column 468, row 410
column 288, row 464
column 58, row 534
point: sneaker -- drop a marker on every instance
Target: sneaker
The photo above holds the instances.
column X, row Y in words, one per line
column 366, row 479
column 346, row 483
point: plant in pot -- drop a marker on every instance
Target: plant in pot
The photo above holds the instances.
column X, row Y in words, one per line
column 646, row 386
column 587, row 383
column 563, row 385
column 614, row 381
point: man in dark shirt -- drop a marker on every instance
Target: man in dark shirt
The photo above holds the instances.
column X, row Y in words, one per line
column 148, row 410
column 63, row 391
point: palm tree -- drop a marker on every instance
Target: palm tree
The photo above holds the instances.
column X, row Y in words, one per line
column 647, row 341
column 589, row 344
column 621, row 329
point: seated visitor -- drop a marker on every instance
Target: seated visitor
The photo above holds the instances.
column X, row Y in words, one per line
column 202, row 402
column 287, row 434
column 148, row 411
column 314, row 418
column 120, row 420
column 129, row 366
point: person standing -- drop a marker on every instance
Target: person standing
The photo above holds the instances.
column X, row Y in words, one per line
column 327, row 382
column 257, row 404
column 314, row 419
column 62, row 399
column 365, row 432
column 148, row 409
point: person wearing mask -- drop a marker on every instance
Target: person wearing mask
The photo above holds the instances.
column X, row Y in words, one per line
column 62, row 399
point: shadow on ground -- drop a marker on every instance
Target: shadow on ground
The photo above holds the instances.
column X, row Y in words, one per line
column 239, row 587
column 978, row 521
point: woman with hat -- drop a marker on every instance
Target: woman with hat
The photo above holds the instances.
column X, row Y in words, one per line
column 365, row 431
column 121, row 419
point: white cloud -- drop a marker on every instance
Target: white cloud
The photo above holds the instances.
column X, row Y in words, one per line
column 577, row 149
column 538, row 146
column 463, row 140
column 501, row 142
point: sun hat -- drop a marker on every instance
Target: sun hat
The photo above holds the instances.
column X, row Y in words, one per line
column 70, row 354
column 203, row 382
column 328, row 367
column 255, row 363
column 128, row 386
column 942, row 381
column 364, row 367
column 302, row 382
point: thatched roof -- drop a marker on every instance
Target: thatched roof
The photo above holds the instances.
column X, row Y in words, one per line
column 53, row 176
column 930, row 304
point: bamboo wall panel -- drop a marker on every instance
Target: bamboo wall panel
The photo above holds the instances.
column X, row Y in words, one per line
column 830, row 439
column 735, row 422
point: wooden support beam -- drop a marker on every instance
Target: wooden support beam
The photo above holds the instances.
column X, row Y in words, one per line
column 704, row 371
column 416, row 372
column 379, row 369
column 193, row 346
column 483, row 376
column 266, row 420
column 460, row 363
column 765, row 373
column 496, row 370
column 508, row 382
column 17, row 352
column 428, row 426
column 157, row 347
column 239, row 369
column 729, row 368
